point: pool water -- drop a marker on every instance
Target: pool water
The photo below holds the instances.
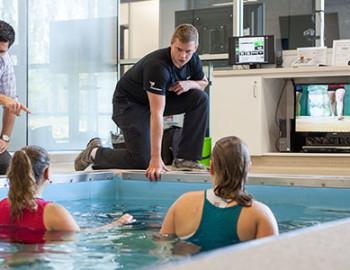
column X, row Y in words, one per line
column 132, row 246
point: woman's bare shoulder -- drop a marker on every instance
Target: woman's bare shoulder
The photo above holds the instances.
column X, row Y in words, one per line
column 190, row 198
column 55, row 210
column 259, row 208
column 192, row 195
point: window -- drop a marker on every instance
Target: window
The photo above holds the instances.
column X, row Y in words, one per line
column 71, row 71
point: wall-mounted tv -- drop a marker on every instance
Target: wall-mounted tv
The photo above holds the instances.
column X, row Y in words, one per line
column 252, row 50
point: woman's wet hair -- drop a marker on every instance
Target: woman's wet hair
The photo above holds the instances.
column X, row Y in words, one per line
column 231, row 163
column 27, row 170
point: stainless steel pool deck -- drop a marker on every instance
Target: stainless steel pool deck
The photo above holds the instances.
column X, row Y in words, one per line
column 199, row 177
column 323, row 246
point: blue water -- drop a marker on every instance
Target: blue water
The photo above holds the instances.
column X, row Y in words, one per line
column 131, row 246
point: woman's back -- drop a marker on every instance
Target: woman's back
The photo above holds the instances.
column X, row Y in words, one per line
column 227, row 213
column 195, row 218
column 32, row 219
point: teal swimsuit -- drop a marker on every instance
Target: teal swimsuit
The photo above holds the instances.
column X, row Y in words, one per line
column 218, row 226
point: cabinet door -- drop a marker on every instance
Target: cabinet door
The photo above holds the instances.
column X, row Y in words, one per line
column 236, row 110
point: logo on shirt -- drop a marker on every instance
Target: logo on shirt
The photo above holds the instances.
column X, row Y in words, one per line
column 152, row 84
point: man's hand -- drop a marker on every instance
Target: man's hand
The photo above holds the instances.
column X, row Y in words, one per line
column 14, row 106
column 154, row 169
column 3, row 146
column 180, row 87
column 183, row 86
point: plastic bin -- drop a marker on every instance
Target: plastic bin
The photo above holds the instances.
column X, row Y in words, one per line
column 206, row 151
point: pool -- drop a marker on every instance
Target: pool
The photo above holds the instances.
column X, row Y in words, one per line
column 96, row 198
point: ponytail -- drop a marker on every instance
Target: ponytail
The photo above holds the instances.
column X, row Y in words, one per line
column 22, row 185
column 231, row 162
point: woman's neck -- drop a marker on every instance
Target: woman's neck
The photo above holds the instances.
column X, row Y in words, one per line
column 39, row 195
column 39, row 189
column 216, row 200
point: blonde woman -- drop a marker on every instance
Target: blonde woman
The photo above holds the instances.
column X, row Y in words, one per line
column 225, row 214
column 24, row 208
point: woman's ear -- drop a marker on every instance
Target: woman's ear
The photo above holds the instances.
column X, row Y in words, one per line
column 211, row 167
column 47, row 174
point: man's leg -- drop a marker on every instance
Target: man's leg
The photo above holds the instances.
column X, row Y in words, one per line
column 339, row 94
column 5, row 160
column 195, row 105
column 331, row 95
column 133, row 119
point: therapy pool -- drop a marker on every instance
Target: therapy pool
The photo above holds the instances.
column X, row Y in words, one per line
column 96, row 198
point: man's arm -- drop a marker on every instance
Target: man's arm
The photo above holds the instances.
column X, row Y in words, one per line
column 156, row 164
column 12, row 109
column 14, row 106
column 183, row 86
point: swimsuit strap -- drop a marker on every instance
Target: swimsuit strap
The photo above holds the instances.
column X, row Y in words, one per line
column 216, row 200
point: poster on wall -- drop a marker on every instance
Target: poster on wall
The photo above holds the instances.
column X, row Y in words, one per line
column 341, row 52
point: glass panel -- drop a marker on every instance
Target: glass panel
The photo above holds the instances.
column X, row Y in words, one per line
column 294, row 22
column 72, row 71
column 339, row 26
column 11, row 12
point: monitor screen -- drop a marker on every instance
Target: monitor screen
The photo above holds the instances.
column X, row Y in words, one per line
column 322, row 108
column 252, row 50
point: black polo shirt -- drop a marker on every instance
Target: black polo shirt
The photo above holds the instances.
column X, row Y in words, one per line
column 156, row 73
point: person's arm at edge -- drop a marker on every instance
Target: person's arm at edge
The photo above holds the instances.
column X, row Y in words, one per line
column 266, row 224
column 12, row 105
column 168, row 226
column 8, row 120
column 57, row 218
column 125, row 219
column 156, row 164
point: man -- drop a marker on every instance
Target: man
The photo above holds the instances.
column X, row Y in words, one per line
column 8, row 91
column 165, row 82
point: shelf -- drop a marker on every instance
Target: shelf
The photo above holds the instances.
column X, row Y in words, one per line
column 299, row 72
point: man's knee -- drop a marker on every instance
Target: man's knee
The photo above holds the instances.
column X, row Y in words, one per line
column 201, row 96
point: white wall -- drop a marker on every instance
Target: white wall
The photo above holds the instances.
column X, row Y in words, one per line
column 143, row 27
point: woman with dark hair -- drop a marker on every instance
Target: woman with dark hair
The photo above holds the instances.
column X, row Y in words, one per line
column 24, row 208
column 225, row 214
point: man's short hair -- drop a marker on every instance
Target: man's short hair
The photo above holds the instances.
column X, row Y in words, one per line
column 7, row 33
column 185, row 33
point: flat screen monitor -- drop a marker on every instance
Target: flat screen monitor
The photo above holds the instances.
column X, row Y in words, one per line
column 322, row 109
column 252, row 50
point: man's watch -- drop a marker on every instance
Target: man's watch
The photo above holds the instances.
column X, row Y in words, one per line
column 5, row 138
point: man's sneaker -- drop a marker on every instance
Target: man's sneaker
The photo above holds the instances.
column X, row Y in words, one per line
column 83, row 160
column 187, row 165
